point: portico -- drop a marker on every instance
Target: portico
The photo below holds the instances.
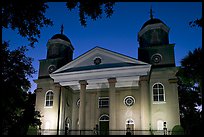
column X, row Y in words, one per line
column 86, row 81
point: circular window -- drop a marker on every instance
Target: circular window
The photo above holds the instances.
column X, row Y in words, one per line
column 156, row 58
column 51, row 68
column 129, row 101
column 97, row 61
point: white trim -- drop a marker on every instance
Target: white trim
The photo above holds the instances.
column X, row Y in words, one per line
column 102, row 97
column 97, row 78
column 60, row 41
column 159, row 102
column 102, row 116
column 101, row 73
column 153, row 26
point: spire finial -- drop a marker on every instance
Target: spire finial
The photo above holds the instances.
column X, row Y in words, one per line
column 62, row 29
column 151, row 15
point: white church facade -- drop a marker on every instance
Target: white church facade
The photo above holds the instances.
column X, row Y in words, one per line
column 104, row 92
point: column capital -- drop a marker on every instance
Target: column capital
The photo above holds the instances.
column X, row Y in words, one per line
column 112, row 80
column 83, row 82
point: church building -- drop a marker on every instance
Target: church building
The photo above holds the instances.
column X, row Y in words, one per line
column 104, row 92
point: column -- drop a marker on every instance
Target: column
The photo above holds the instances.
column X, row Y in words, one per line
column 112, row 104
column 57, row 90
column 145, row 99
column 82, row 106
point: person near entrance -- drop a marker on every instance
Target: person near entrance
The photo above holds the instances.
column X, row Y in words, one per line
column 128, row 131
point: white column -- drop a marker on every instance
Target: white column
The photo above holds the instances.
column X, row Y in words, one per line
column 57, row 90
column 145, row 99
column 112, row 104
column 82, row 106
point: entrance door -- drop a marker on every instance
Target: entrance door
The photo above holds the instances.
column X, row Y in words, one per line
column 104, row 125
column 130, row 126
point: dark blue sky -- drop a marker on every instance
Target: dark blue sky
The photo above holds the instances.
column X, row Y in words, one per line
column 118, row 33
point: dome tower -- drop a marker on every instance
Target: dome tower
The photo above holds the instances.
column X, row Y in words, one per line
column 59, row 53
column 154, row 47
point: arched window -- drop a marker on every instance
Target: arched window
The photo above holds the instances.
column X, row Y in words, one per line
column 49, row 99
column 104, row 117
column 158, row 92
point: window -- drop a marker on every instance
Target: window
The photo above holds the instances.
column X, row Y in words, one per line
column 158, row 92
column 156, row 58
column 129, row 101
column 103, row 102
column 51, row 68
column 104, row 117
column 49, row 99
column 97, row 61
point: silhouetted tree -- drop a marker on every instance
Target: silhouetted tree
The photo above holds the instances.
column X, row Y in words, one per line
column 16, row 103
column 189, row 87
column 90, row 8
column 197, row 22
column 29, row 116
column 28, row 17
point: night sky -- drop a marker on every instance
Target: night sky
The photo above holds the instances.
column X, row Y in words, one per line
column 118, row 33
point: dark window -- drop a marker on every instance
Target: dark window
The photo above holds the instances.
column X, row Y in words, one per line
column 103, row 102
column 97, row 61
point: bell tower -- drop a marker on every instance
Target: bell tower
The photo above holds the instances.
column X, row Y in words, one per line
column 59, row 53
column 154, row 47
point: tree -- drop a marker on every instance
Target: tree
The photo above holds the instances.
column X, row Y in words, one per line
column 15, row 70
column 191, row 69
column 189, row 87
column 28, row 17
column 93, row 9
column 29, row 117
column 197, row 22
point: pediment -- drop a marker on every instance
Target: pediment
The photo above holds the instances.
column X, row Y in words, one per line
column 108, row 59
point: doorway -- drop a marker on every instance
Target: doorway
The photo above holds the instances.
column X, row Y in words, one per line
column 130, row 126
column 104, row 125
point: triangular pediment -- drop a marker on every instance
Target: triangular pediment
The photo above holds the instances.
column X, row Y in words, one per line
column 108, row 59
